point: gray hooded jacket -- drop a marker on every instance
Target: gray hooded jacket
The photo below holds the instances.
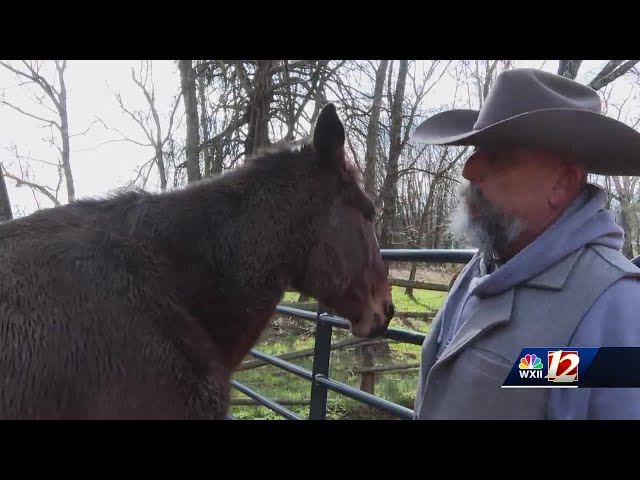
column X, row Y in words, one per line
column 570, row 287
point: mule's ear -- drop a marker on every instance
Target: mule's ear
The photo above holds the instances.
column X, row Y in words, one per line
column 329, row 136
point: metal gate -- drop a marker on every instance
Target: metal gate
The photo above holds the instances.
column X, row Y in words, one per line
column 318, row 377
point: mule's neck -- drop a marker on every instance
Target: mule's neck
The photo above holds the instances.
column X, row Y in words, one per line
column 238, row 245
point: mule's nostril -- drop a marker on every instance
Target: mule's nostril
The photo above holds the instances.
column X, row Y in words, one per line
column 389, row 310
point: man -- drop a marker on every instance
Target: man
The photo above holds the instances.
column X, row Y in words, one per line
column 549, row 271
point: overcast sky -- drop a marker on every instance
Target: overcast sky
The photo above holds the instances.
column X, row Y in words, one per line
column 91, row 87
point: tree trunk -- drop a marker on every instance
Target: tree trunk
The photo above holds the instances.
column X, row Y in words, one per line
column 612, row 70
column 390, row 186
column 371, row 156
column 204, row 125
column 159, row 159
column 389, row 195
column 64, row 133
column 441, row 200
column 5, row 204
column 188, row 84
column 625, row 188
column 259, row 106
column 367, row 379
column 625, row 223
column 218, row 159
column 320, row 100
column 422, row 229
column 569, row 68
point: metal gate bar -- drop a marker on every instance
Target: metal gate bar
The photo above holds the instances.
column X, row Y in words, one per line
column 319, row 377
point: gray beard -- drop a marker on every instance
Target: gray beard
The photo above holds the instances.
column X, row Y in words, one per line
column 492, row 231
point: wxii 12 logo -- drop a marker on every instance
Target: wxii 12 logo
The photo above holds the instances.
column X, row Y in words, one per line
column 563, row 366
column 541, row 367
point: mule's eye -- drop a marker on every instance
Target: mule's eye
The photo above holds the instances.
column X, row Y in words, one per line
column 373, row 291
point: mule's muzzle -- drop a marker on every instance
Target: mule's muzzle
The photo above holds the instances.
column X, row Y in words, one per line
column 382, row 323
column 379, row 329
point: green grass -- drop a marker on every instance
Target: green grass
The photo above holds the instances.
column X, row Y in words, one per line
column 424, row 299
column 294, row 335
column 291, row 297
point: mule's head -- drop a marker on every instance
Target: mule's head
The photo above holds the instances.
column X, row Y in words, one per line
column 344, row 269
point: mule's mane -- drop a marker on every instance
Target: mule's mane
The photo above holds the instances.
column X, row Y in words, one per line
column 279, row 148
column 131, row 206
column 275, row 150
column 349, row 171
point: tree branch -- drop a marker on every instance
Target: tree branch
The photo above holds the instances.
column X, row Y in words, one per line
column 46, row 120
column 603, row 79
column 39, row 188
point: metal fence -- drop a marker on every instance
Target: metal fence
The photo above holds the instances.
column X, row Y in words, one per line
column 318, row 377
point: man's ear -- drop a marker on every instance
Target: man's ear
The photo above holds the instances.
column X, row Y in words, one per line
column 569, row 182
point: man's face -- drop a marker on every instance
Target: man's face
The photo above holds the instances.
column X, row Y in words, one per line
column 482, row 224
column 505, row 199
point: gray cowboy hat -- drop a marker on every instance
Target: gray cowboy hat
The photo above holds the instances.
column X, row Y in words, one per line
column 533, row 108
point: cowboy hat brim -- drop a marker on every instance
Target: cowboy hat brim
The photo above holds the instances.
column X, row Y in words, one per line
column 608, row 146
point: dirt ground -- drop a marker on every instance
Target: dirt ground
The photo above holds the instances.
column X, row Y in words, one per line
column 424, row 273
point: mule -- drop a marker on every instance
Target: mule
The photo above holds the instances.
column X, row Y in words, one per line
column 140, row 305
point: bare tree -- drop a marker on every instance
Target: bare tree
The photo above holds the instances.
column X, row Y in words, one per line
column 371, row 157
column 50, row 96
column 445, row 163
column 5, row 204
column 390, row 188
column 295, row 85
column 188, row 83
column 611, row 71
column 225, row 106
column 25, row 177
column 404, row 108
column 355, row 89
column 569, row 68
column 260, row 94
column 205, row 148
column 253, row 103
column 150, row 124
column 623, row 189
column 481, row 75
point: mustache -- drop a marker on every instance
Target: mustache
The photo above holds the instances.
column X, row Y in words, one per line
column 488, row 226
column 475, row 199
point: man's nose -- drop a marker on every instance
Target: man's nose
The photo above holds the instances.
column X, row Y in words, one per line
column 476, row 167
